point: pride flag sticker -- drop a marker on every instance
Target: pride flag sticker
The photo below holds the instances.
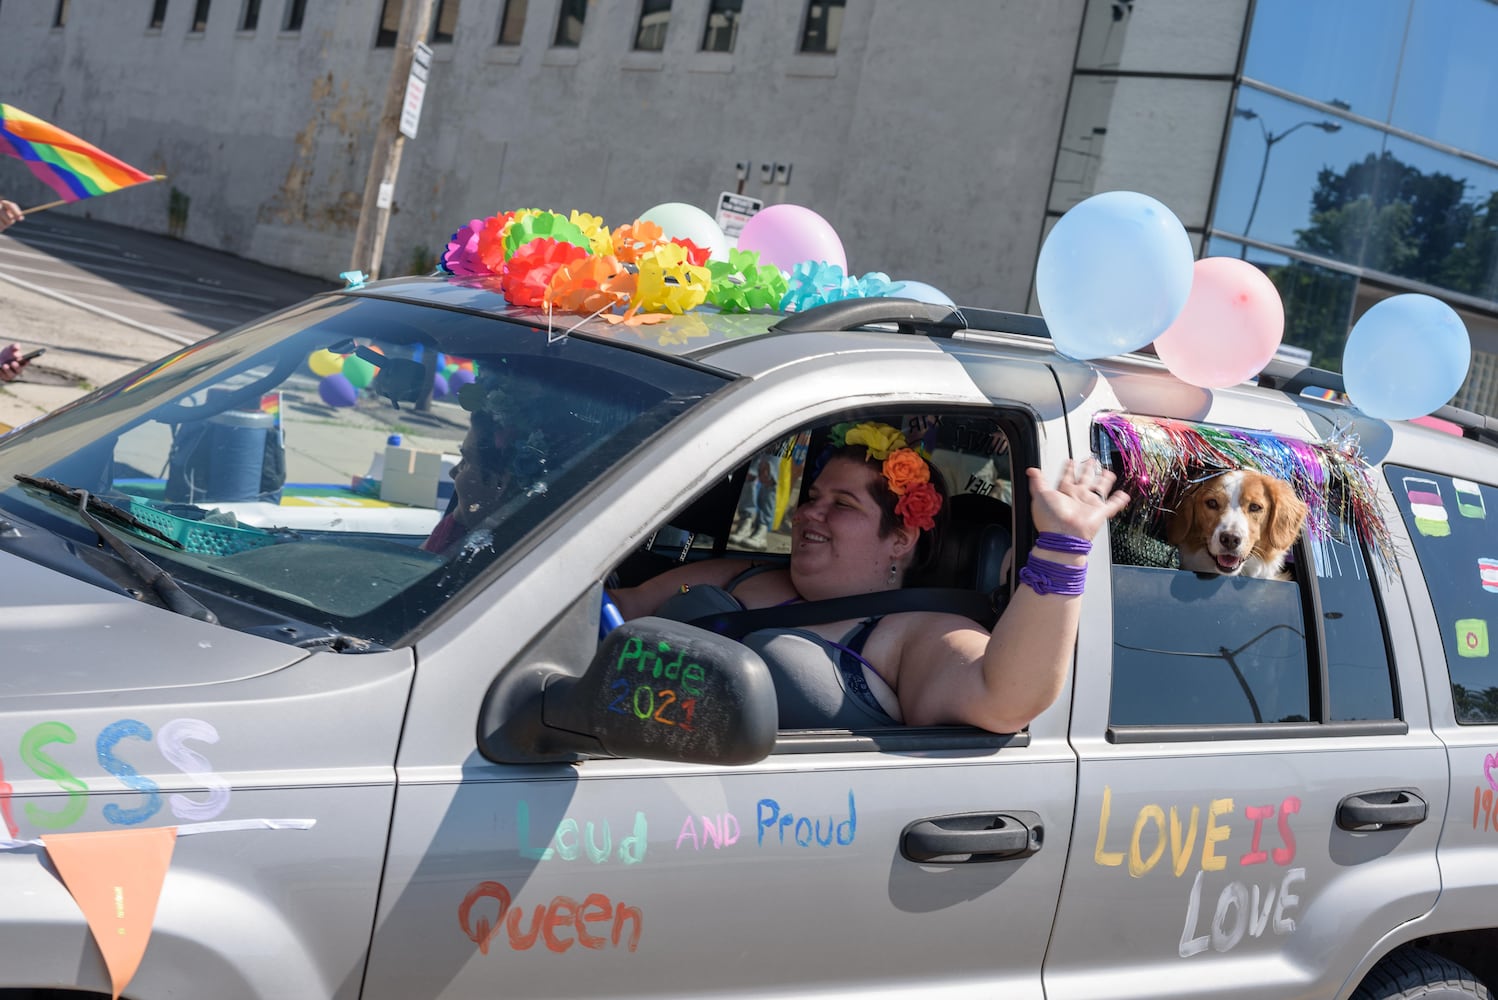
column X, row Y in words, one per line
column 1427, row 507
column 1468, row 498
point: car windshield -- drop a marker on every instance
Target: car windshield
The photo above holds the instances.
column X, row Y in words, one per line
column 351, row 463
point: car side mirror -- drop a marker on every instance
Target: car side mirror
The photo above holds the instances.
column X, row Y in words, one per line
column 656, row 689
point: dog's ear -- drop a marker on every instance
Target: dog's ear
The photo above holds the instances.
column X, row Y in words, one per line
column 1287, row 514
column 1181, row 522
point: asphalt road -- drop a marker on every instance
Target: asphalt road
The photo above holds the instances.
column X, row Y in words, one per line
column 104, row 300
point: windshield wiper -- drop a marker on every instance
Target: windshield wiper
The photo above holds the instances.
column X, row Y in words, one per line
column 153, row 576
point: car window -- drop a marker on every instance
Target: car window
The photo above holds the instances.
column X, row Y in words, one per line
column 749, row 516
column 1457, row 546
column 352, row 464
column 1210, row 650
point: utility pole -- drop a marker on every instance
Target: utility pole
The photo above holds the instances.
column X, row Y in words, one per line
column 385, row 160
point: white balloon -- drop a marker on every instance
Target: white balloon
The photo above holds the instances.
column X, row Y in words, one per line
column 679, row 220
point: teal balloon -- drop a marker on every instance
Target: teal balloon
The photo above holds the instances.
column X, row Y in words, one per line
column 921, row 292
column 1406, row 357
column 1113, row 274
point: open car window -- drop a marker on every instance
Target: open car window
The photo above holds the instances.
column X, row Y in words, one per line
column 749, row 516
column 304, row 468
column 1195, row 652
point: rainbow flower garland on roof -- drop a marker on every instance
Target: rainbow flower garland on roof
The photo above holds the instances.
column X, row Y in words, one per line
column 1160, row 457
column 634, row 273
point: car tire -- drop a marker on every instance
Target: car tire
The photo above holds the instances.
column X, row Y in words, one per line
column 1413, row 972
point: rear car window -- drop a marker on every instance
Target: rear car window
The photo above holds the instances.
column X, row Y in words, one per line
column 1456, row 541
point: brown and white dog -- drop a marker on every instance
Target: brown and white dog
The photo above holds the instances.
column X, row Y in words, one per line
column 1241, row 523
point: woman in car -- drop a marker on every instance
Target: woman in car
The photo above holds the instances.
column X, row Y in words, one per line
column 858, row 532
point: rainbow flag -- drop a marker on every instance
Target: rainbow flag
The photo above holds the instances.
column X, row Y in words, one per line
column 64, row 162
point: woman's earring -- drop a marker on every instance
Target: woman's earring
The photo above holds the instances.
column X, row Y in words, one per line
column 894, row 571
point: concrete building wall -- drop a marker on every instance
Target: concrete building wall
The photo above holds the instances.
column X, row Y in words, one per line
column 927, row 140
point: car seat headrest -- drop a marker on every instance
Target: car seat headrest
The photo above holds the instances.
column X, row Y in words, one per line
column 971, row 551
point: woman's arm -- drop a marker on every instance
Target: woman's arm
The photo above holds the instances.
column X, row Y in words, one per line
column 1001, row 681
column 647, row 597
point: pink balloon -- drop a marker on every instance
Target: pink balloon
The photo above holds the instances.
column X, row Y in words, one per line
column 1230, row 327
column 786, row 235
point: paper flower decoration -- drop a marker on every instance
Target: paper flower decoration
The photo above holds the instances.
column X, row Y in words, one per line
column 742, row 284
column 696, row 255
column 528, row 272
column 668, row 283
column 638, row 238
column 543, row 225
column 816, row 283
column 599, row 237
column 491, row 242
column 462, row 254
column 590, row 285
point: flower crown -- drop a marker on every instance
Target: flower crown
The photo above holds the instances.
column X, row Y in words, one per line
column 904, row 469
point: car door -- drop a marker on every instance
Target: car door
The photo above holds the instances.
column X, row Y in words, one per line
column 787, row 876
column 1259, row 788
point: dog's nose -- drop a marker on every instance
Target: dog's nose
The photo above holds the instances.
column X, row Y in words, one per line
column 1229, row 540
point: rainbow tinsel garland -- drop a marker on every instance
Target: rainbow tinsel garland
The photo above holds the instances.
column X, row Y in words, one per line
column 1159, row 458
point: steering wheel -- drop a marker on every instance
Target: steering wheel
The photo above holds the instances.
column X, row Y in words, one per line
column 609, row 617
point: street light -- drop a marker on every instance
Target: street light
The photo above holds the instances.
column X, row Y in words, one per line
column 1270, row 138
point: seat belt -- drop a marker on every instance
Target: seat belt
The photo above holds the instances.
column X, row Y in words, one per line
column 948, row 600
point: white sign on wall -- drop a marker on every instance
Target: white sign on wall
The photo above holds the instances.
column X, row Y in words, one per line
column 734, row 210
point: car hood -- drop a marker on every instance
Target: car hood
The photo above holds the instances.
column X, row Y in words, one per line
column 61, row 636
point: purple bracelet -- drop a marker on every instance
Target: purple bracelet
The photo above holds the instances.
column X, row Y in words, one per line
column 1046, row 577
column 1057, row 542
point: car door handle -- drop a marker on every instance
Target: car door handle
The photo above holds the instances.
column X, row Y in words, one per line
column 1381, row 810
column 972, row 837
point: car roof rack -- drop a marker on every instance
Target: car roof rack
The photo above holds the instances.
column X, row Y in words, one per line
column 1287, row 376
column 909, row 316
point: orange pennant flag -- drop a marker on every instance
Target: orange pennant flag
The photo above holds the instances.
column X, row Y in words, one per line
column 115, row 876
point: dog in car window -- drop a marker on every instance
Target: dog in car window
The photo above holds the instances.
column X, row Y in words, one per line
column 1239, row 523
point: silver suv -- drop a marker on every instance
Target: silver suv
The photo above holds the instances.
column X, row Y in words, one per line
column 237, row 603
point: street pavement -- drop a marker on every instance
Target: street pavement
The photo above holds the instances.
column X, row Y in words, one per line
column 104, row 300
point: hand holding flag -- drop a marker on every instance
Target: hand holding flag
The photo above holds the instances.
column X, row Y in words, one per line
column 65, row 163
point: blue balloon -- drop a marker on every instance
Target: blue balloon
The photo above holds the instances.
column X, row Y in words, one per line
column 440, row 387
column 1113, row 274
column 921, row 292
column 1406, row 357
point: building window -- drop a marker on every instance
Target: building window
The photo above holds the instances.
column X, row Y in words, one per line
column 823, row 25
column 291, row 19
column 570, row 24
column 249, row 15
column 722, row 28
column 199, row 17
column 655, row 18
column 390, row 24
column 444, row 21
column 60, row 15
column 511, row 23
column 158, row 14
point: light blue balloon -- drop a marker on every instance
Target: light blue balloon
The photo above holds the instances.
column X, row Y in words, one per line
column 1113, row 274
column 1406, row 357
column 921, row 292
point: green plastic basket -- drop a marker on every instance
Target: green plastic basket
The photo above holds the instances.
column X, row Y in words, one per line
column 202, row 537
